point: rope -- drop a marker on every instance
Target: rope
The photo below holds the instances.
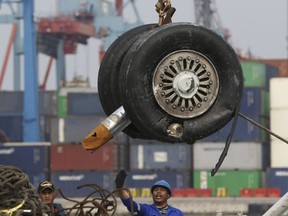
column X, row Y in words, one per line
column 10, row 211
column 17, row 193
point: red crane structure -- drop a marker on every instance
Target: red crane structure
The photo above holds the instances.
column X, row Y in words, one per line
column 58, row 36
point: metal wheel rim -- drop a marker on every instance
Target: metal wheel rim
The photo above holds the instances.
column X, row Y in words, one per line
column 185, row 84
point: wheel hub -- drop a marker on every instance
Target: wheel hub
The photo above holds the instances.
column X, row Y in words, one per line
column 185, row 84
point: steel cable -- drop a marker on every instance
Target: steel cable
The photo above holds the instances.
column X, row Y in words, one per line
column 99, row 202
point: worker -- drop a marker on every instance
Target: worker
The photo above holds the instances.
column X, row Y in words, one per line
column 47, row 194
column 161, row 192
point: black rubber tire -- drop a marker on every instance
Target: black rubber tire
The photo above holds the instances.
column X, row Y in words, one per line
column 108, row 77
column 137, row 73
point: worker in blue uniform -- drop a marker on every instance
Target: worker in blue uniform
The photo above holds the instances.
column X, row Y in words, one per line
column 161, row 192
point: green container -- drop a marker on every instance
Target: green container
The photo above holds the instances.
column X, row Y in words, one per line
column 254, row 74
column 62, row 106
column 232, row 181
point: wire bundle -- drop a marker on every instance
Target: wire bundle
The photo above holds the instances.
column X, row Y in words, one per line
column 99, row 202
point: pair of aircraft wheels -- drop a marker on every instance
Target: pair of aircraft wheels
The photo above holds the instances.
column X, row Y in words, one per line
column 177, row 82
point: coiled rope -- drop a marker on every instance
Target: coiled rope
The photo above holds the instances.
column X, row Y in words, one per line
column 16, row 193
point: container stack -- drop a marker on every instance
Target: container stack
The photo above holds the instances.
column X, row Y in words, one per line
column 79, row 112
column 248, row 155
column 72, row 166
column 47, row 111
column 68, row 115
column 31, row 158
column 151, row 161
column 277, row 175
column 11, row 114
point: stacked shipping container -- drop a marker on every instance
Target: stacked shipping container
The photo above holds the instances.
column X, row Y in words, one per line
column 79, row 112
column 151, row 161
column 67, row 116
column 248, row 155
column 277, row 175
column 32, row 158
column 11, row 114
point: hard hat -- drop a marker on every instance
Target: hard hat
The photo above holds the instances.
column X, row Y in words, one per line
column 162, row 183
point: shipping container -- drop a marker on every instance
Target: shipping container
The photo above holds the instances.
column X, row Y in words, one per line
column 134, row 141
column 62, row 106
column 244, row 131
column 278, row 122
column 68, row 181
column 48, row 103
column 254, row 74
column 278, row 155
column 231, row 181
column 11, row 102
column 145, row 179
column 258, row 74
column 62, row 98
column 36, row 177
column 255, row 101
column 73, row 129
column 84, row 104
column 45, row 128
column 75, row 157
column 279, row 86
column 30, row 157
column 158, row 156
column 241, row 155
column 12, row 126
column 271, row 72
column 278, row 178
column 123, row 154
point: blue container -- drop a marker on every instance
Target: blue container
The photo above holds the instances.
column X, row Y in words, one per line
column 45, row 128
column 29, row 158
column 36, row 177
column 12, row 126
column 145, row 179
column 255, row 101
column 158, row 156
column 11, row 102
column 48, row 103
column 278, row 178
column 84, row 104
column 271, row 71
column 244, row 131
column 73, row 129
column 69, row 181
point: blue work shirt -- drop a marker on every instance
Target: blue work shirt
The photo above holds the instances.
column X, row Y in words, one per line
column 59, row 210
column 150, row 209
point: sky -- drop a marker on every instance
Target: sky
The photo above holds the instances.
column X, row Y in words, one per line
column 258, row 26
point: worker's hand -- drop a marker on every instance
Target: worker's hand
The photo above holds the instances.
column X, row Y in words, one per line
column 120, row 178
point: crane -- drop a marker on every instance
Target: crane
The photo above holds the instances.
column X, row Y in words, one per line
column 30, row 112
column 206, row 15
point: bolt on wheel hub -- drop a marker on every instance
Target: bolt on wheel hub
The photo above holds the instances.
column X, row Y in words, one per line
column 185, row 84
